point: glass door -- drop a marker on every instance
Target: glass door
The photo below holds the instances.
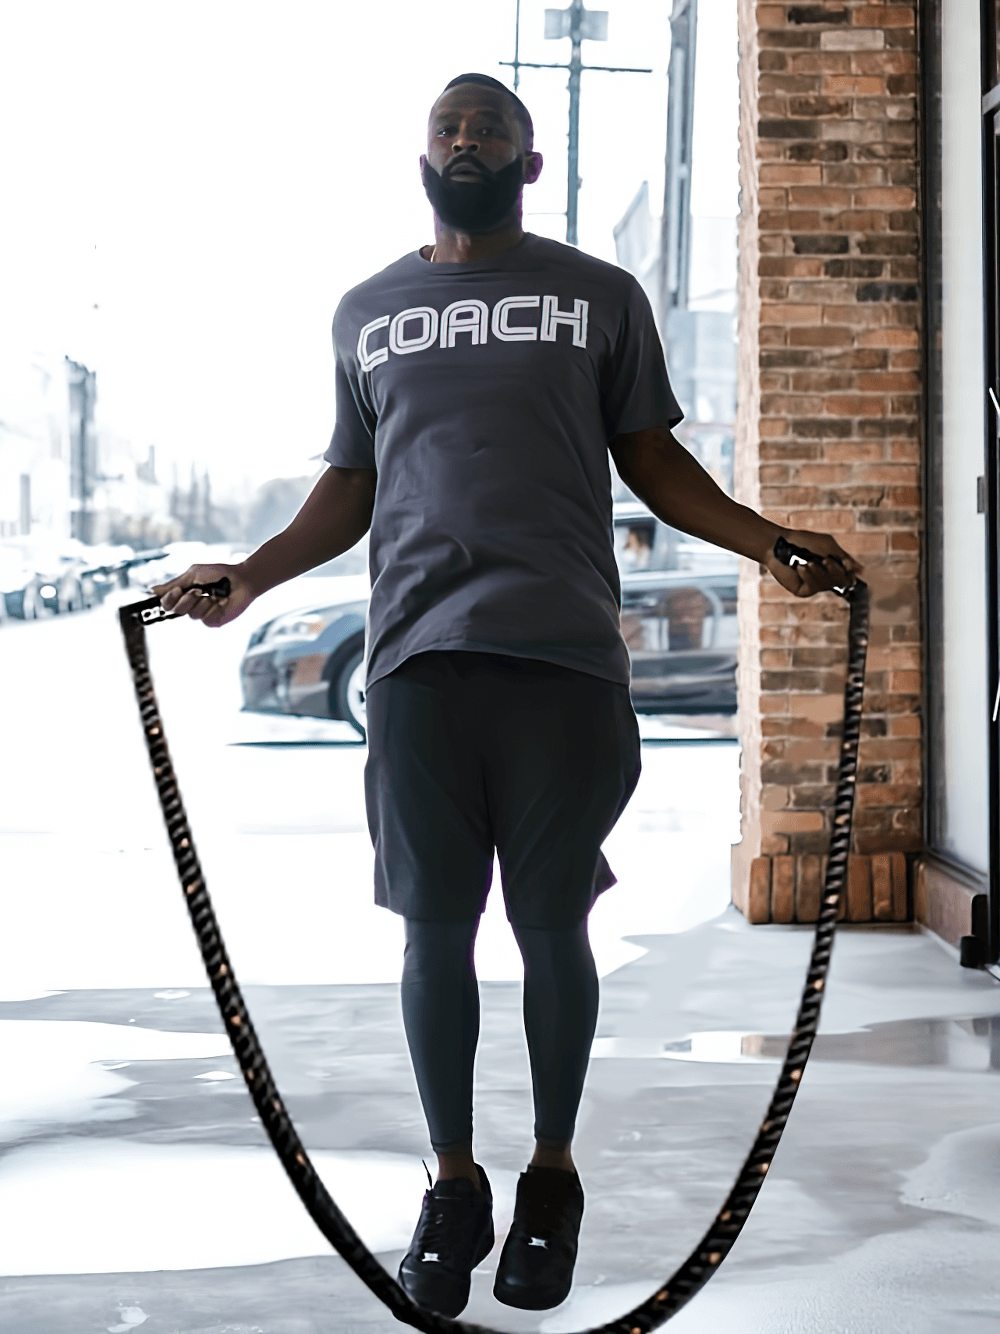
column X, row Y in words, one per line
column 991, row 480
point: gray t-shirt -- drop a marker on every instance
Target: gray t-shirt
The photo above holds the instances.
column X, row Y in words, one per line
column 486, row 394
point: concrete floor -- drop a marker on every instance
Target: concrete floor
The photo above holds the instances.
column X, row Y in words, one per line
column 123, row 1123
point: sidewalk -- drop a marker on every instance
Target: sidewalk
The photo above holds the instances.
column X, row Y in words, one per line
column 881, row 1212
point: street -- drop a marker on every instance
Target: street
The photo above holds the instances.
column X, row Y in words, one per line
column 137, row 1185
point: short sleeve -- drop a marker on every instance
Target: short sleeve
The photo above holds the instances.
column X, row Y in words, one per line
column 635, row 390
column 353, row 442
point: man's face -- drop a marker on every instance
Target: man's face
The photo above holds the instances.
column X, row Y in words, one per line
column 472, row 125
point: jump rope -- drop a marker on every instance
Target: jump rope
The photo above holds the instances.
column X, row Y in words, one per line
column 715, row 1245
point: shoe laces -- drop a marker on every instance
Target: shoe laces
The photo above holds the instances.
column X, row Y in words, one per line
column 435, row 1231
column 441, row 1223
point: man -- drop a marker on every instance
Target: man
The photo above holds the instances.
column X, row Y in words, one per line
column 638, row 549
column 481, row 383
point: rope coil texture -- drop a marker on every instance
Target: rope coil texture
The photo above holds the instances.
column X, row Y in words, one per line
column 715, row 1245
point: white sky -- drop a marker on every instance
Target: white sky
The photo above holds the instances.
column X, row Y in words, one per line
column 190, row 188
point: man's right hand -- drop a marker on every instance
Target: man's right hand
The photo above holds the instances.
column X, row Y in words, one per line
column 177, row 595
column 335, row 514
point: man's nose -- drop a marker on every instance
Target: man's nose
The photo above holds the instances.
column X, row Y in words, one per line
column 464, row 143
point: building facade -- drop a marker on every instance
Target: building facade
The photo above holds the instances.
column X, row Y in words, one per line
column 35, row 448
column 866, row 354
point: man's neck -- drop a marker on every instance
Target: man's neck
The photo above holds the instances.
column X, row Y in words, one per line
column 453, row 247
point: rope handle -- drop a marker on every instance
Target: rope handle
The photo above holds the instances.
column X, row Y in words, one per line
column 790, row 554
column 150, row 610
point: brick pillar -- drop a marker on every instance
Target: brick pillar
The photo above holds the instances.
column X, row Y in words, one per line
column 827, row 433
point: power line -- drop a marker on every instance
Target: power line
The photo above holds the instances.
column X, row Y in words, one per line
column 579, row 25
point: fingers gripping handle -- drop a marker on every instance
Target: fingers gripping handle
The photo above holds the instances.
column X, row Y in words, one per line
column 220, row 589
column 790, row 554
column 150, row 610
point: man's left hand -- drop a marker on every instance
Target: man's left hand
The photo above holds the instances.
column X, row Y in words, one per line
column 836, row 569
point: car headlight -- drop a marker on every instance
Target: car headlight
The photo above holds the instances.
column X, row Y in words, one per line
column 47, row 591
column 298, row 625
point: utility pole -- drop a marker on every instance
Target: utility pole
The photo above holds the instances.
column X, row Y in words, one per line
column 675, row 247
column 82, row 397
column 577, row 16
column 579, row 25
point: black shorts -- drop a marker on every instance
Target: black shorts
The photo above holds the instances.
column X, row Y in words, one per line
column 471, row 752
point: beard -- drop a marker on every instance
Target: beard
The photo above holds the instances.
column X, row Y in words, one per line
column 474, row 207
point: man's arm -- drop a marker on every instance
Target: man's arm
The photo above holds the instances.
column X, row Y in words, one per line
column 336, row 514
column 678, row 490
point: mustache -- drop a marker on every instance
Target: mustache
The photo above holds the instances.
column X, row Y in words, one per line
column 474, row 163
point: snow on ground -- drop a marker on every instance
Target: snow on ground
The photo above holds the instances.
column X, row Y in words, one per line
column 281, row 830
column 71, row 1207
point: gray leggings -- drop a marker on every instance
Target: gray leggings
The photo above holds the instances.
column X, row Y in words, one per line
column 441, row 1016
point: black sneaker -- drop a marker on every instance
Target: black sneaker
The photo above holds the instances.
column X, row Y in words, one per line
column 536, row 1263
column 454, row 1234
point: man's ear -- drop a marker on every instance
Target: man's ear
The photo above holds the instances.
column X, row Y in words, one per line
column 423, row 162
column 532, row 167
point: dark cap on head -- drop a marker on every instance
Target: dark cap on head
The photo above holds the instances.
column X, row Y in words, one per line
column 520, row 110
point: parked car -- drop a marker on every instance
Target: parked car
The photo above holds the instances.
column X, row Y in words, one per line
column 681, row 632
column 48, row 575
column 67, row 583
column 61, row 576
column 678, row 615
column 309, row 662
column 20, row 583
column 678, row 621
column 117, row 567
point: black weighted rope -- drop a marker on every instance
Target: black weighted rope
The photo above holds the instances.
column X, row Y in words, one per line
column 715, row 1245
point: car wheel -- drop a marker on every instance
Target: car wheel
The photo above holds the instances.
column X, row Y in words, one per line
column 349, row 692
column 23, row 604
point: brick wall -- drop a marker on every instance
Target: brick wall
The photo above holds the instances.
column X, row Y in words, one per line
column 828, row 424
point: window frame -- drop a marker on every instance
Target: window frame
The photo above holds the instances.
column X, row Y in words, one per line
column 930, row 147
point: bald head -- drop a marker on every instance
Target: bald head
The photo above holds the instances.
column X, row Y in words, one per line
column 517, row 107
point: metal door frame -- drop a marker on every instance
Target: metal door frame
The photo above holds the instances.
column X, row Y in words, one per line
column 991, row 443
